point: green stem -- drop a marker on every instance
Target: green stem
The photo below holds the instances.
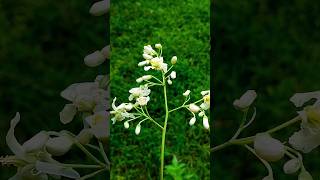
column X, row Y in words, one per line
column 93, row 174
column 84, row 166
column 164, row 128
column 103, row 153
column 250, row 139
column 80, row 146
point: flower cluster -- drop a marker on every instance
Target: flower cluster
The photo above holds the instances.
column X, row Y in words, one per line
column 201, row 110
column 34, row 159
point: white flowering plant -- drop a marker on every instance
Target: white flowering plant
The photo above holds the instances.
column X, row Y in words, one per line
column 36, row 158
column 268, row 149
column 135, row 111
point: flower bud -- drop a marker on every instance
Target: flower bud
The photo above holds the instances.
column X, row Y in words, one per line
column 94, row 59
column 245, row 100
column 305, row 175
column 146, row 77
column 174, row 60
column 194, row 108
column 138, row 129
column 106, row 52
column 268, row 148
column 291, row 166
column 192, row 121
column 147, row 56
column 139, row 80
column 58, row 146
column 186, row 93
column 67, row 114
column 126, row 124
column 173, row 75
column 158, row 46
column 84, row 136
column 201, row 114
column 142, row 63
column 205, row 122
column 169, row 82
column 128, row 107
column 99, row 8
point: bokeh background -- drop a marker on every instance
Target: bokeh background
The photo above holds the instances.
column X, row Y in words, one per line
column 272, row 47
column 42, row 45
column 182, row 27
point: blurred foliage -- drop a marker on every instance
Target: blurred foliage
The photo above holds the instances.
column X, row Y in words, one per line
column 270, row 46
column 42, row 45
column 182, row 27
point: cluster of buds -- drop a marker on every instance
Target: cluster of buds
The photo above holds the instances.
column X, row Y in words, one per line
column 201, row 110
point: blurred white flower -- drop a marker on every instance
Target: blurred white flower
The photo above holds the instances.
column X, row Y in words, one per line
column 194, row 108
column 173, row 75
column 138, row 129
column 268, row 148
column 192, row 121
column 205, row 122
column 99, row 125
column 94, row 59
column 174, row 60
column 99, row 8
column 245, row 100
column 292, row 166
column 158, row 46
column 186, row 93
column 126, row 124
column 142, row 101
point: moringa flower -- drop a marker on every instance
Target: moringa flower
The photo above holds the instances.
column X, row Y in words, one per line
column 149, row 50
column 194, row 108
column 186, row 93
column 206, row 100
column 158, row 46
column 174, row 60
column 268, row 148
column 245, row 100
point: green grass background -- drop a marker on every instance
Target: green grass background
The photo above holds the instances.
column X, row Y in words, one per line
column 42, row 46
column 270, row 46
column 182, row 27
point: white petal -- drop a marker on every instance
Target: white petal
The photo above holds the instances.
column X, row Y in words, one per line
column 94, row 59
column 68, row 113
column 99, row 8
column 58, row 146
column 304, row 141
column 106, row 52
column 11, row 140
column 245, row 100
column 299, row 99
column 36, row 142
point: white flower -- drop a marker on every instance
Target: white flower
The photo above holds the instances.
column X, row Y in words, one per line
column 203, row 93
column 139, row 92
column 146, row 77
column 86, row 96
column 245, row 100
column 99, row 125
column 100, row 8
column 142, row 101
column 194, row 108
column 120, row 112
column 205, row 122
column 139, row 80
column 138, row 129
column 94, row 59
column 158, row 64
column 186, row 93
column 126, row 125
column 169, row 81
column 308, row 137
column 192, row 121
column 268, row 148
column 174, row 60
column 149, row 50
column 204, row 106
column 173, row 75
column 128, row 106
column 147, row 56
column 158, row 46
column 291, row 166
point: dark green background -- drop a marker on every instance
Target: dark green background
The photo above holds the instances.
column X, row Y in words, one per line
column 270, row 46
column 42, row 46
